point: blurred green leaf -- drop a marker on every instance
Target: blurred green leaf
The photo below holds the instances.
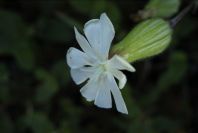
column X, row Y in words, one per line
column 38, row 122
column 47, row 88
column 6, row 124
column 177, row 68
column 69, row 108
column 163, row 124
column 133, row 109
column 180, row 33
column 196, row 5
column 71, row 22
column 24, row 56
column 4, row 81
column 4, row 73
column 94, row 8
column 52, row 29
column 73, row 115
column 15, row 39
column 141, row 125
column 134, row 113
column 12, row 29
column 61, row 72
column 115, row 15
column 98, row 7
column 65, row 127
column 176, row 71
column 84, row 6
column 43, row 7
column 49, row 6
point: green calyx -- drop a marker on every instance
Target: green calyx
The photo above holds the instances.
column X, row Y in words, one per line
column 147, row 39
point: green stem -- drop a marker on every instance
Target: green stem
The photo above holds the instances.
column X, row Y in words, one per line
column 177, row 19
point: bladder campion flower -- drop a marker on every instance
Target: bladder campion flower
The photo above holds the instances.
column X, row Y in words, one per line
column 93, row 66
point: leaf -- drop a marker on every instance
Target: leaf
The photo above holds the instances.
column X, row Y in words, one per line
column 176, row 71
column 47, row 88
column 61, row 72
column 6, row 124
column 49, row 6
column 84, row 6
column 4, row 81
column 163, row 124
column 180, row 33
column 65, row 127
column 71, row 22
column 52, row 29
column 133, row 109
column 173, row 75
column 38, row 122
column 15, row 39
column 4, row 73
column 69, row 108
column 12, row 28
column 24, row 56
column 141, row 126
column 73, row 115
column 93, row 9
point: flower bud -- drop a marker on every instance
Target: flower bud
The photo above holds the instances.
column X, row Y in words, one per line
column 149, row 38
column 160, row 8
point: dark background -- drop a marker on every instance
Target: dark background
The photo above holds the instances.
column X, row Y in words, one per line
column 37, row 94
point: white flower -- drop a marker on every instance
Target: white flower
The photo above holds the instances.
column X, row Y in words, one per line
column 92, row 65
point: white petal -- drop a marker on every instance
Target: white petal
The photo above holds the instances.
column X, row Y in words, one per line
column 84, row 43
column 90, row 89
column 121, row 64
column 121, row 77
column 100, row 33
column 119, row 101
column 80, row 75
column 77, row 58
column 103, row 96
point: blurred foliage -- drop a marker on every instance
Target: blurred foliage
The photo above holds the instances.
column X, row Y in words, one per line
column 36, row 121
column 177, row 67
column 15, row 39
column 37, row 94
column 47, row 88
column 53, row 30
column 94, row 8
column 4, row 91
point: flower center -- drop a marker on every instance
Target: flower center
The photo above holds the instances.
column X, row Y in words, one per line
column 104, row 66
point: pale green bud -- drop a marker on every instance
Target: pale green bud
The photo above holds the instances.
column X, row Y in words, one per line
column 160, row 8
column 149, row 38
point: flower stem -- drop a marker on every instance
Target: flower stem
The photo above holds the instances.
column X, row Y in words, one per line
column 177, row 19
